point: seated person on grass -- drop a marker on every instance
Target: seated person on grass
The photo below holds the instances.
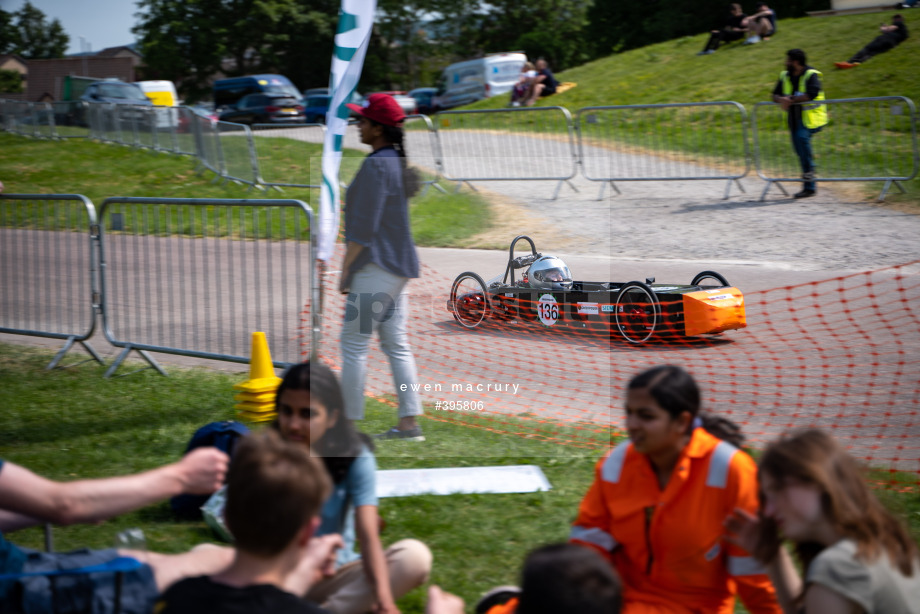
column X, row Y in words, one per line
column 543, row 84
column 273, row 501
column 522, row 87
column 733, row 29
column 28, row 499
column 311, row 414
column 559, row 578
column 656, row 508
column 761, row 25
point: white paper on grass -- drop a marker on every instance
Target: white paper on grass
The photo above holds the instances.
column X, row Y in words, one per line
column 465, row 480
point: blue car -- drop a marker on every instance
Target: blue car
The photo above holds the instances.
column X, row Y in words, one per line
column 315, row 109
column 265, row 109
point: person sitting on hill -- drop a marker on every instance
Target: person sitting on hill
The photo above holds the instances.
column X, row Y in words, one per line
column 522, row 87
column 733, row 29
column 679, row 468
column 891, row 36
column 28, row 499
column 274, row 495
column 761, row 25
column 856, row 555
column 543, row 84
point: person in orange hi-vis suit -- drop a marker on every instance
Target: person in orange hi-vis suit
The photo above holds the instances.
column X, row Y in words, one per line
column 658, row 502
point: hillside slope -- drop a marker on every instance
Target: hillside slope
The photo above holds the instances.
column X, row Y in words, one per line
column 672, row 72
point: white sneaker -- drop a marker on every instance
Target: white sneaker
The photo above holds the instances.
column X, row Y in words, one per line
column 515, row 104
column 752, row 40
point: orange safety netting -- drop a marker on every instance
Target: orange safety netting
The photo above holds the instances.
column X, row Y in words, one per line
column 841, row 354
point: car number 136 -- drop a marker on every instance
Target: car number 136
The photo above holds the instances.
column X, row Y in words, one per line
column 548, row 309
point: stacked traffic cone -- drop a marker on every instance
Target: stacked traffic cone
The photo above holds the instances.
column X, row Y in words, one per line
column 257, row 399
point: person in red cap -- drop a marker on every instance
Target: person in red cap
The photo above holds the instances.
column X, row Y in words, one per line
column 380, row 258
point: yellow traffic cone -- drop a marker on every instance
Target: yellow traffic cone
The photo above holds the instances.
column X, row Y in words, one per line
column 257, row 394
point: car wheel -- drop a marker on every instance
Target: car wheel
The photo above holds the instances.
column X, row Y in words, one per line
column 637, row 313
column 711, row 276
column 469, row 300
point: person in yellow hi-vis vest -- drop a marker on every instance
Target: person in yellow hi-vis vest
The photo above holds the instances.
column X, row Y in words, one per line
column 798, row 86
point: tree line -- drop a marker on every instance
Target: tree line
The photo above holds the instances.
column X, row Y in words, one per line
column 190, row 41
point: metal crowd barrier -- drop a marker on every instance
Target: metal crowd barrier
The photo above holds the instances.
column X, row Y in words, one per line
column 95, row 119
column 238, row 154
column 43, row 120
column 70, row 120
column 663, row 142
column 866, row 139
column 284, row 153
column 508, row 144
column 207, row 144
column 145, row 127
column 102, row 124
column 423, row 149
column 48, row 268
column 17, row 115
column 186, row 135
column 195, row 277
column 191, row 277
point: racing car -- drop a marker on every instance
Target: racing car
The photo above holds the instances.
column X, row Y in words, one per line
column 545, row 293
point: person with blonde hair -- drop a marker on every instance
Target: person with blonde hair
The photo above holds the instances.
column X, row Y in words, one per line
column 856, row 555
column 525, row 81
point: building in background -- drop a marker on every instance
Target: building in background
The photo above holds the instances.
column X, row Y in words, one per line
column 44, row 80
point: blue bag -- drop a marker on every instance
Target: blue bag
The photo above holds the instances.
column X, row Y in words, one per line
column 221, row 435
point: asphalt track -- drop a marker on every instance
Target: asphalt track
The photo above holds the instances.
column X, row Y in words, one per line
column 801, row 361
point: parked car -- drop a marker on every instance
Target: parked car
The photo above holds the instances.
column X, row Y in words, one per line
column 117, row 92
column 424, row 99
column 408, row 104
column 315, row 108
column 265, row 109
column 228, row 92
column 184, row 120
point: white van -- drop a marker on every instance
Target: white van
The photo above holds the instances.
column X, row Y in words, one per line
column 162, row 94
column 472, row 80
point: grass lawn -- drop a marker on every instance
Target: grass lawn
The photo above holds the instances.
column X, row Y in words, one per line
column 71, row 423
column 100, row 171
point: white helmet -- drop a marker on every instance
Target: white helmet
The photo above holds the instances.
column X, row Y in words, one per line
column 549, row 273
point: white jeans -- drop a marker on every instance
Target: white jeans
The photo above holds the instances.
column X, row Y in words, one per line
column 378, row 301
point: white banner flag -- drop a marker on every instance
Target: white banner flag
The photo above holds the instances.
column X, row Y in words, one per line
column 356, row 20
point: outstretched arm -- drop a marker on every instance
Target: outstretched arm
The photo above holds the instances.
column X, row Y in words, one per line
column 30, row 497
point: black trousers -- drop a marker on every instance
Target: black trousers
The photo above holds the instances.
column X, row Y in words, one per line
column 722, row 36
column 879, row 44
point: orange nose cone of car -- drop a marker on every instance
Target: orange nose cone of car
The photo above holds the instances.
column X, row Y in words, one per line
column 713, row 311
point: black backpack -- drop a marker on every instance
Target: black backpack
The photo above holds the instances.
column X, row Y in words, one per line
column 221, row 435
